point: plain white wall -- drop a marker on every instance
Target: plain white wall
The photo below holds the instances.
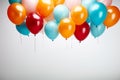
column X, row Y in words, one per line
column 93, row 59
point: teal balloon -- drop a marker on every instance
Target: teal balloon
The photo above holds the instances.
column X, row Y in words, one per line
column 14, row 1
column 97, row 31
column 87, row 3
column 51, row 30
column 22, row 29
column 97, row 13
column 60, row 12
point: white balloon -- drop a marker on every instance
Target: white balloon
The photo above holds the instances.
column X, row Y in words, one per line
column 71, row 3
column 30, row 5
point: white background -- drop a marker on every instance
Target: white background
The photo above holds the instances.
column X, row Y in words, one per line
column 23, row 59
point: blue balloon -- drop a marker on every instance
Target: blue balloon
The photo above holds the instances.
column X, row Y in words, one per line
column 51, row 30
column 14, row 1
column 60, row 12
column 97, row 30
column 97, row 13
column 22, row 29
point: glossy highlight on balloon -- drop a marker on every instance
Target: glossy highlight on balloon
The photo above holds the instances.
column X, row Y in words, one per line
column 16, row 13
column 45, row 7
column 79, row 14
column 34, row 23
column 66, row 27
column 112, row 16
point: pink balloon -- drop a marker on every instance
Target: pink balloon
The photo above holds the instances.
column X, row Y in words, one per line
column 106, row 2
column 30, row 5
column 71, row 3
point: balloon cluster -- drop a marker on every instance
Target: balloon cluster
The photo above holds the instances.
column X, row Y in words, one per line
column 67, row 17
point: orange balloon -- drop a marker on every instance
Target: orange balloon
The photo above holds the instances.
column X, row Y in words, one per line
column 16, row 13
column 112, row 16
column 57, row 2
column 79, row 14
column 45, row 7
column 66, row 27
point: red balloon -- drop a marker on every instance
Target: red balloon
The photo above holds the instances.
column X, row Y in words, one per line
column 34, row 23
column 82, row 31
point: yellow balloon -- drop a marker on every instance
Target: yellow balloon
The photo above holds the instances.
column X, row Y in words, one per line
column 57, row 2
column 66, row 27
column 79, row 14
column 45, row 7
column 16, row 13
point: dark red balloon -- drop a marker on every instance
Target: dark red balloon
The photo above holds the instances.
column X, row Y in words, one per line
column 34, row 22
column 82, row 31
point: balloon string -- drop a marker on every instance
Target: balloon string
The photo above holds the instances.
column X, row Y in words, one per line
column 98, row 40
column 20, row 39
column 35, row 44
column 66, row 43
column 43, row 37
column 71, row 43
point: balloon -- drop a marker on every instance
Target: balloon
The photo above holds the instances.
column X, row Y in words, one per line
column 57, row 2
column 66, row 27
column 87, row 3
column 79, row 14
column 112, row 17
column 14, row 1
column 51, row 30
column 34, row 23
column 45, row 7
column 60, row 12
column 97, row 13
column 106, row 2
column 71, row 3
column 97, row 30
column 16, row 13
column 82, row 31
column 22, row 29
column 30, row 5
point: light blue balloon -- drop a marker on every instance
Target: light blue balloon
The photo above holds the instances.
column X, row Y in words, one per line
column 51, row 30
column 60, row 12
column 14, row 1
column 22, row 29
column 87, row 3
column 97, row 30
column 97, row 13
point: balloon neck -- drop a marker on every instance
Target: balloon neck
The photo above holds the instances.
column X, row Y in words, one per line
column 107, row 27
column 79, row 41
column 65, row 38
column 52, row 40
column 35, row 35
